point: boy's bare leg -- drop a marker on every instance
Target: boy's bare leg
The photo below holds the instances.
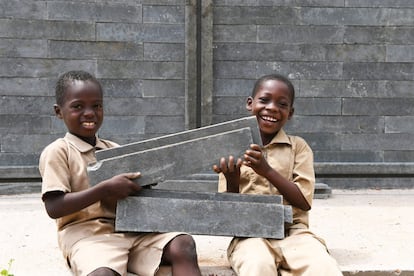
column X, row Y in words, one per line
column 181, row 254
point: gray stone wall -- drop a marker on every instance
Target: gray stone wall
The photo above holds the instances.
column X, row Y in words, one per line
column 352, row 62
column 136, row 48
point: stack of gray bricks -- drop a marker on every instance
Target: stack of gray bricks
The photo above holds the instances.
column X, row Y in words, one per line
column 188, row 152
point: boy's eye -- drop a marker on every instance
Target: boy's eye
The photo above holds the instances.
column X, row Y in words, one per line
column 263, row 100
column 282, row 104
column 77, row 106
column 98, row 106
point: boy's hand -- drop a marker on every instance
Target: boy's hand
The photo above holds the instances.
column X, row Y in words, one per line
column 122, row 185
column 254, row 159
column 231, row 171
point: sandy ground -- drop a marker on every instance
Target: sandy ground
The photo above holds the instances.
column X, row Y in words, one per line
column 366, row 230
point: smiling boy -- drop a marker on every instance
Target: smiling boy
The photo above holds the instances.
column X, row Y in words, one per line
column 84, row 214
column 283, row 166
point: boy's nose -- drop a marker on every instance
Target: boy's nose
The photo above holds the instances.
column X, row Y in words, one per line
column 88, row 112
column 272, row 106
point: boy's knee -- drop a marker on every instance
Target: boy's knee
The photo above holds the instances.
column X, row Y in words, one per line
column 182, row 246
column 103, row 271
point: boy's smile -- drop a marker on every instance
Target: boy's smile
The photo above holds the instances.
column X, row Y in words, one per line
column 82, row 109
column 272, row 105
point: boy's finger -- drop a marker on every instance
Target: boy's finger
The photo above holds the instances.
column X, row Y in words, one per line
column 133, row 175
column 216, row 169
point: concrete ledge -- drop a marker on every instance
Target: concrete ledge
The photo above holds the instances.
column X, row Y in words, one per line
column 352, row 175
column 360, row 175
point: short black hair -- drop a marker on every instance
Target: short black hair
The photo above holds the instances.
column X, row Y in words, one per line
column 276, row 77
column 67, row 78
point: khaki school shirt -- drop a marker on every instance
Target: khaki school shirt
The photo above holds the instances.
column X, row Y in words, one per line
column 293, row 159
column 63, row 166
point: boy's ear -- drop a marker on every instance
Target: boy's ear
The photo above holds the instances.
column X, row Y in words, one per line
column 292, row 110
column 249, row 103
column 58, row 112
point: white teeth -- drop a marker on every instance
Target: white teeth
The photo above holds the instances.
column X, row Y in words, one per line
column 88, row 123
column 268, row 118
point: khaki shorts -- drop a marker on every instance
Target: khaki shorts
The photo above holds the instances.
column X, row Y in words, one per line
column 139, row 253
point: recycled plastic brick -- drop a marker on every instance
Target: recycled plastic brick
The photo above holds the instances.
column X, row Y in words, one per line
column 222, row 214
column 181, row 158
column 250, row 122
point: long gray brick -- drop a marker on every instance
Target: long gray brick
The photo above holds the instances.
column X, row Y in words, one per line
column 173, row 33
column 379, row 71
column 33, row 48
column 26, row 105
column 24, row 124
column 381, row 3
column 399, row 156
column 303, row 70
column 187, row 157
column 161, row 106
column 379, row 107
column 23, row 9
column 299, row 34
column 343, row 16
column 40, row 29
column 233, row 87
column 373, row 142
column 101, row 12
column 399, row 124
column 247, row 122
column 27, row 144
column 126, row 125
column 25, row 67
column 234, row 106
column 164, row 124
column 202, row 213
column 235, row 33
column 25, row 86
column 348, row 156
column 336, row 124
column 239, row 15
column 18, row 158
column 318, row 106
column 164, row 14
column 164, row 51
column 400, row 53
column 122, row 88
column 90, row 50
column 163, row 88
column 140, row 69
column 300, row 52
column 235, row 69
column 379, row 35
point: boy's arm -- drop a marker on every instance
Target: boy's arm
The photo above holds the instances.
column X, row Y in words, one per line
column 59, row 204
column 254, row 159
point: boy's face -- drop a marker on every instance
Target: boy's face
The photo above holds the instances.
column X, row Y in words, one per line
column 82, row 108
column 272, row 106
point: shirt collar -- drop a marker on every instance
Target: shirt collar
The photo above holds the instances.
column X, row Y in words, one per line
column 281, row 138
column 81, row 145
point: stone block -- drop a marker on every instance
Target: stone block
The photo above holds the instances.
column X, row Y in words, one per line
column 246, row 122
column 140, row 69
column 101, row 12
column 221, row 214
column 164, row 14
column 173, row 33
column 189, row 156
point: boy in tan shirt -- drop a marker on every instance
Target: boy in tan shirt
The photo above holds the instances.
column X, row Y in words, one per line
column 85, row 214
